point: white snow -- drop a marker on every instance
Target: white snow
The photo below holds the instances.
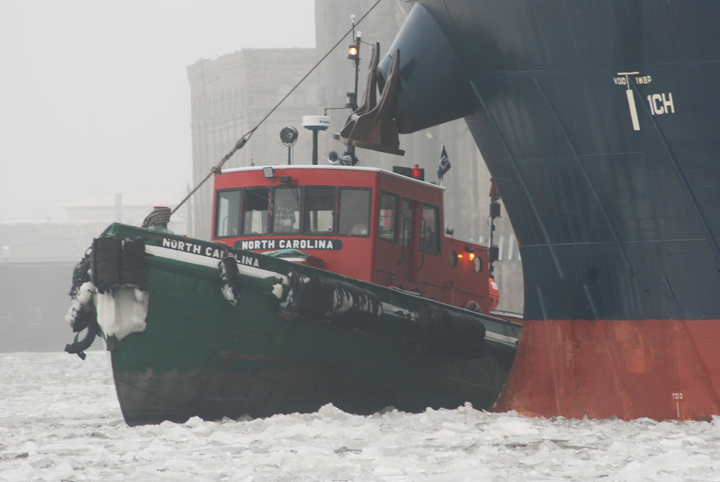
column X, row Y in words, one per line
column 228, row 294
column 278, row 290
column 83, row 297
column 60, row 420
column 85, row 293
column 122, row 312
column 343, row 301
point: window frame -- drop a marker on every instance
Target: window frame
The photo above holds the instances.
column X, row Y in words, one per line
column 216, row 226
column 271, row 210
column 402, row 218
column 303, row 229
column 394, row 239
column 438, row 241
column 339, row 214
column 242, row 211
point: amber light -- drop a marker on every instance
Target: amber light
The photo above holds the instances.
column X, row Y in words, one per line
column 352, row 52
column 471, row 252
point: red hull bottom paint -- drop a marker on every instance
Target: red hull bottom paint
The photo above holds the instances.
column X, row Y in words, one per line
column 660, row 369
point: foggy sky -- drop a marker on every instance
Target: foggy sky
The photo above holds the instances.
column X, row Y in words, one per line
column 94, row 96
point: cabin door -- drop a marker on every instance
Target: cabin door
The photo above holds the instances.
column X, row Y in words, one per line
column 406, row 269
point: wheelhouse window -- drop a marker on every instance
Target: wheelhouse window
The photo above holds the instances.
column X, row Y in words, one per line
column 319, row 213
column 354, row 211
column 227, row 215
column 255, row 205
column 430, row 230
column 286, row 211
column 388, row 217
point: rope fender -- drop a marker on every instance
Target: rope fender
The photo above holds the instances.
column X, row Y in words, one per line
column 160, row 216
column 230, row 275
column 82, row 314
column 320, row 298
column 109, row 264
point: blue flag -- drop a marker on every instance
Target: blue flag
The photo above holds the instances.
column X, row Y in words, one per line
column 444, row 166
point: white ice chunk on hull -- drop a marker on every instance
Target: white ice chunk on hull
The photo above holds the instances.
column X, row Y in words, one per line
column 122, row 312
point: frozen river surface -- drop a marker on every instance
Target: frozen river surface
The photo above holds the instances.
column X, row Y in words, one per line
column 60, row 421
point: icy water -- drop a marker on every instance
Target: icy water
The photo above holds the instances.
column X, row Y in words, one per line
column 60, row 421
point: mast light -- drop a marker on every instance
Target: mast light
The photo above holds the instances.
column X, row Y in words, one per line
column 353, row 52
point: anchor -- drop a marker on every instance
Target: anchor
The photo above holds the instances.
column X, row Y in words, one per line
column 372, row 126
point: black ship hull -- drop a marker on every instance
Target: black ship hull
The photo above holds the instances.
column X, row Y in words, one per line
column 600, row 124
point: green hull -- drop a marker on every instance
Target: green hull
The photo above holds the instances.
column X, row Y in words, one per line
column 201, row 356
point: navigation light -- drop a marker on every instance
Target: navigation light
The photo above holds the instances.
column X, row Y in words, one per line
column 353, row 52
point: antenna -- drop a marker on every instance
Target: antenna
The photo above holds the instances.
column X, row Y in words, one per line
column 315, row 123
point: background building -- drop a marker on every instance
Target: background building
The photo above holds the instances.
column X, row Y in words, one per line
column 231, row 94
column 229, row 97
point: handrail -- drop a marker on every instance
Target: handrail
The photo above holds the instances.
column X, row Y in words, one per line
column 423, row 227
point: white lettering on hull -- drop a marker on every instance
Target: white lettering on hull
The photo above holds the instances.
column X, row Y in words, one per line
column 209, row 251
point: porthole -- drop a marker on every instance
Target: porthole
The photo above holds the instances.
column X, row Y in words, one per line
column 478, row 264
column 453, row 259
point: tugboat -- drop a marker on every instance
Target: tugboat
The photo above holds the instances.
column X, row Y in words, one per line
column 322, row 284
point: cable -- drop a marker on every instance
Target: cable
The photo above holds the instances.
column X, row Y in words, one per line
column 243, row 140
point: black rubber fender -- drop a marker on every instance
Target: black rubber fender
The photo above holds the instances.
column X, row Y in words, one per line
column 79, row 347
column 445, row 333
